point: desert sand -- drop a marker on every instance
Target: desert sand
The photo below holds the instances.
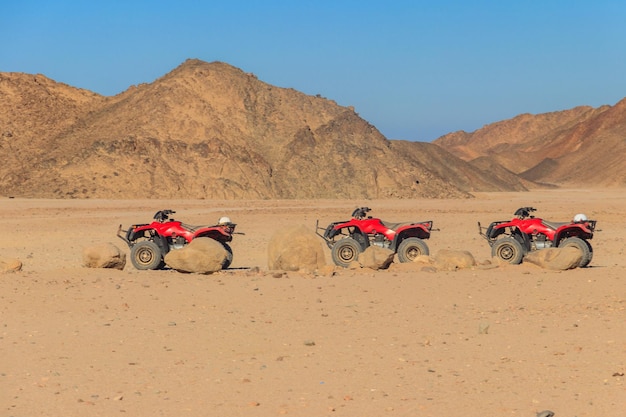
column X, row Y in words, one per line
column 502, row 341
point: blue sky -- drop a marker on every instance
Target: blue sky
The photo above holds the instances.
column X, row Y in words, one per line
column 414, row 69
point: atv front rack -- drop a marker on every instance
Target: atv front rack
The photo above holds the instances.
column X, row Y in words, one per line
column 328, row 234
column 486, row 232
column 124, row 234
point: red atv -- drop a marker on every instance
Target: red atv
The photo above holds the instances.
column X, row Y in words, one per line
column 346, row 239
column 149, row 243
column 511, row 240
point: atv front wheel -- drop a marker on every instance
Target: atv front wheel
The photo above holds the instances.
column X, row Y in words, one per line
column 583, row 246
column 146, row 255
column 345, row 251
column 509, row 250
column 410, row 248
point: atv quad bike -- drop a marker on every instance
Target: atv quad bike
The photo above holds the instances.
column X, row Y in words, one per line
column 510, row 240
column 149, row 243
column 347, row 238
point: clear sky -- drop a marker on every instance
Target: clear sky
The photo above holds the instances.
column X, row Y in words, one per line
column 414, row 69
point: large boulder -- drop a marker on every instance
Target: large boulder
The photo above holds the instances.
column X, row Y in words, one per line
column 10, row 265
column 375, row 257
column 202, row 255
column 296, row 248
column 451, row 260
column 105, row 255
column 560, row 259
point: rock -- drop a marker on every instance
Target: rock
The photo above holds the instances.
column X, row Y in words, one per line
column 202, row 255
column 375, row 257
column 327, row 270
column 10, row 265
column 354, row 265
column 450, row 260
column 420, row 263
column 105, row 255
column 295, row 248
column 559, row 259
column 424, row 260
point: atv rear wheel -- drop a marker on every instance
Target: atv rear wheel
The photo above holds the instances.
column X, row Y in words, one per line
column 410, row 248
column 583, row 246
column 509, row 250
column 229, row 256
column 146, row 255
column 345, row 251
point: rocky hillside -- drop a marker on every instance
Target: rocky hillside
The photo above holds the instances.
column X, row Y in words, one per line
column 207, row 130
column 210, row 130
column 583, row 146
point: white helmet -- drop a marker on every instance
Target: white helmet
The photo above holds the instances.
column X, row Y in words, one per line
column 580, row 218
column 224, row 220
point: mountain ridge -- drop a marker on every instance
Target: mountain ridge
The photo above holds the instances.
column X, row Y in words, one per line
column 211, row 130
column 572, row 148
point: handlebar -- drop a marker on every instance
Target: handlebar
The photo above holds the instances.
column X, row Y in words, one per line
column 163, row 215
column 359, row 213
column 524, row 212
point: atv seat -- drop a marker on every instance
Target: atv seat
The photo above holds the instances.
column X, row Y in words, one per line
column 395, row 226
column 554, row 225
column 190, row 227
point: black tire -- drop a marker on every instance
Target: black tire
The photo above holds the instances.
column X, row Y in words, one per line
column 229, row 256
column 345, row 251
column 583, row 246
column 410, row 248
column 590, row 254
column 146, row 255
column 509, row 250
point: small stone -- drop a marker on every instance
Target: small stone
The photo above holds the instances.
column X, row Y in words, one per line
column 10, row 265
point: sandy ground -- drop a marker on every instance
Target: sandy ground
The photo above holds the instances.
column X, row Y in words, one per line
column 508, row 341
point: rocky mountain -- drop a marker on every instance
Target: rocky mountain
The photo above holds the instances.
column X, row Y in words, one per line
column 583, row 146
column 210, row 130
column 204, row 130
